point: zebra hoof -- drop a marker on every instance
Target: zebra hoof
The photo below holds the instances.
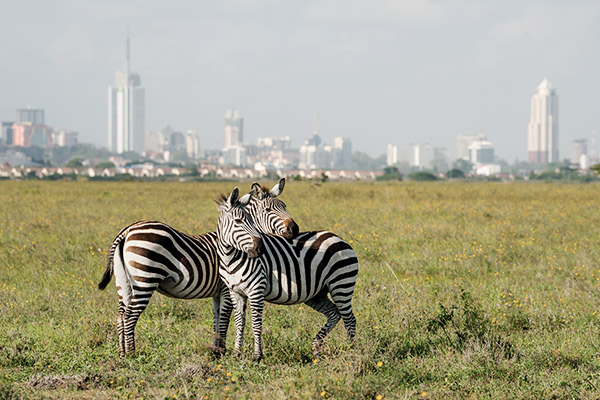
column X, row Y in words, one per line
column 218, row 352
column 257, row 359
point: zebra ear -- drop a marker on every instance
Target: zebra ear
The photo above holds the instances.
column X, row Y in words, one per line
column 278, row 188
column 244, row 200
column 233, row 197
column 256, row 188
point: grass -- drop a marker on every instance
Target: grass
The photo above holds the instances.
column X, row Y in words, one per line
column 484, row 290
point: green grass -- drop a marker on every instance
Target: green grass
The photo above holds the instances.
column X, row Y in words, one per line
column 483, row 290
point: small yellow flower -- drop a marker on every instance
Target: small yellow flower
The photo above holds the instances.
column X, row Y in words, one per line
column 208, row 379
column 323, row 393
column 379, row 364
column 227, row 388
column 424, row 394
column 379, row 397
column 315, row 361
column 233, row 379
column 228, row 374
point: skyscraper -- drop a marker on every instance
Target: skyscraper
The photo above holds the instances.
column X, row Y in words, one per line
column 126, row 111
column 33, row 115
column 542, row 144
column 234, row 128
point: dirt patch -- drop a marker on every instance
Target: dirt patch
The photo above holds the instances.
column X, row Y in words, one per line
column 79, row 382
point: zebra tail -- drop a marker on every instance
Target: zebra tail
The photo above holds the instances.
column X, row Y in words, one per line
column 108, row 272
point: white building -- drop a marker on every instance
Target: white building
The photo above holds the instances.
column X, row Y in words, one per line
column 579, row 149
column 64, row 138
column 192, row 144
column 481, row 152
column 234, row 128
column 126, row 112
column 235, row 155
column 342, row 148
column 392, row 154
column 542, row 142
column 422, row 155
column 462, row 145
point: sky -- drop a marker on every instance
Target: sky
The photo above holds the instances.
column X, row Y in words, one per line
column 378, row 72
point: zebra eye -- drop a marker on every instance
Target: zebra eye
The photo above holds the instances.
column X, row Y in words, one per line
column 238, row 220
column 268, row 209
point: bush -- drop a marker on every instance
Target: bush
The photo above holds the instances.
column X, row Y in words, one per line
column 455, row 173
column 422, row 176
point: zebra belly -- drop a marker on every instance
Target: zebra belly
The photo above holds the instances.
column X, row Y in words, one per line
column 166, row 288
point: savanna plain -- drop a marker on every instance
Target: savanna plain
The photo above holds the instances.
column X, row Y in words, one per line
column 465, row 290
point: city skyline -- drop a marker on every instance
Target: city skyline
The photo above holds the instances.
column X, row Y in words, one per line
column 376, row 72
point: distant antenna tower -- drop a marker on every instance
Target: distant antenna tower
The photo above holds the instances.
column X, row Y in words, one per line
column 316, row 123
column 127, row 56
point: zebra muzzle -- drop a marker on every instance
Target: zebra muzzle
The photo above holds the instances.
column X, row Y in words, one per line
column 256, row 250
column 291, row 229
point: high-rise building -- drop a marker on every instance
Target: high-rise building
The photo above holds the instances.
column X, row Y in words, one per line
column 32, row 115
column 542, row 143
column 234, row 128
column 126, row 111
column 391, row 154
column 192, row 144
column 422, row 155
column 342, row 149
column 481, row 152
column 462, row 145
column 6, row 136
column 578, row 149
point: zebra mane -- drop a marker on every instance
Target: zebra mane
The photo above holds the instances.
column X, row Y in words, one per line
column 265, row 191
column 221, row 201
column 261, row 192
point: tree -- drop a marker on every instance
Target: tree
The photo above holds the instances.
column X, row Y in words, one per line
column 75, row 162
column 455, row 173
column 105, row 164
column 363, row 162
column 390, row 174
column 423, row 176
column 464, row 165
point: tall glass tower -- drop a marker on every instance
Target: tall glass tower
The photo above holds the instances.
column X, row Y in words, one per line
column 126, row 111
column 542, row 143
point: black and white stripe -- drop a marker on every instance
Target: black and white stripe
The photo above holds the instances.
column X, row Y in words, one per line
column 307, row 269
column 150, row 256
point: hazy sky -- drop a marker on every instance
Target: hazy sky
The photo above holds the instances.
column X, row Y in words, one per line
column 379, row 72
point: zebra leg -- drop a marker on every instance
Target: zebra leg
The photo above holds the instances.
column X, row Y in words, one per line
column 256, row 308
column 343, row 303
column 218, row 343
column 239, row 306
column 121, row 328
column 222, row 307
column 132, row 314
column 322, row 304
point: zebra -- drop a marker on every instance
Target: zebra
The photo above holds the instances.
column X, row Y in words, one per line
column 149, row 256
column 259, row 268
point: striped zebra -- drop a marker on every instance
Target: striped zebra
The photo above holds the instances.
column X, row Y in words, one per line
column 261, row 268
column 150, row 256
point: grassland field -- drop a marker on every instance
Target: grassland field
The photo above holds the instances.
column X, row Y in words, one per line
column 465, row 290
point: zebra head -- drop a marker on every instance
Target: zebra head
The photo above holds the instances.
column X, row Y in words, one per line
column 236, row 227
column 269, row 213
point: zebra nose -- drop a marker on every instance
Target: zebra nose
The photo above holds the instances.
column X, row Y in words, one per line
column 258, row 244
column 292, row 229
